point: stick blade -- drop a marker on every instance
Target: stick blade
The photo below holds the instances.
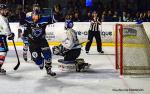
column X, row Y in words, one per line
column 17, row 66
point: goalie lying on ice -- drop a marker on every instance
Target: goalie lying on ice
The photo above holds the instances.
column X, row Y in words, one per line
column 70, row 49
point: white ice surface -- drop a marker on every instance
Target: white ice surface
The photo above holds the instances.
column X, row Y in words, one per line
column 102, row 78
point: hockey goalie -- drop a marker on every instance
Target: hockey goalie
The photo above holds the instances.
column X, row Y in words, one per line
column 70, row 49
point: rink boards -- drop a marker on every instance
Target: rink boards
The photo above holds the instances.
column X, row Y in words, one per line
column 55, row 33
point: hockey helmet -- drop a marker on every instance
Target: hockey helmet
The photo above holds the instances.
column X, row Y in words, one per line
column 68, row 24
column 3, row 6
column 36, row 15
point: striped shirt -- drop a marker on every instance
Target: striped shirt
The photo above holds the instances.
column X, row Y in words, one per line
column 94, row 26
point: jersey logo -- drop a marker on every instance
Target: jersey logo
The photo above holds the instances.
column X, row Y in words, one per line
column 34, row 54
column 36, row 32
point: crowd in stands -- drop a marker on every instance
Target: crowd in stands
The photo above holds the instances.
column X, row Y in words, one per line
column 105, row 15
column 80, row 13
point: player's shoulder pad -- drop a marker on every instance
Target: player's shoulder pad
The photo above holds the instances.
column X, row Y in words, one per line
column 44, row 20
column 29, row 19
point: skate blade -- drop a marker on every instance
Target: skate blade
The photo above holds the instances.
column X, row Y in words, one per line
column 50, row 76
column 86, row 68
column 30, row 61
column 2, row 73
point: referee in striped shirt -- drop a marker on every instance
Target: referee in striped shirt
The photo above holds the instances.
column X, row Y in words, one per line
column 94, row 32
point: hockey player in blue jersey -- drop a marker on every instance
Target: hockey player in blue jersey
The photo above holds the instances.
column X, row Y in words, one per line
column 38, row 45
column 22, row 22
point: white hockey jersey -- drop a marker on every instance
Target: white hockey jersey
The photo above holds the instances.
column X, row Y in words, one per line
column 71, row 42
column 4, row 26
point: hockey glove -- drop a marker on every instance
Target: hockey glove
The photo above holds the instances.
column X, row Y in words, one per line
column 11, row 36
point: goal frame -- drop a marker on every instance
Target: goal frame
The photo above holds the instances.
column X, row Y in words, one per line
column 119, row 31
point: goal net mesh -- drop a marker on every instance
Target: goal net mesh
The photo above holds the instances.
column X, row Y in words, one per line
column 136, row 49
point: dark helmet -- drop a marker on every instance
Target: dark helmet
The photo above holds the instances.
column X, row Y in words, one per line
column 3, row 6
column 36, row 14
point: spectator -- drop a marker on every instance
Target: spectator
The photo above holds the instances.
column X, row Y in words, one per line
column 124, row 16
column 141, row 17
column 76, row 17
column 136, row 17
column 87, row 17
column 57, row 16
column 129, row 19
column 148, row 16
column 115, row 17
column 103, row 17
column 108, row 17
column 145, row 15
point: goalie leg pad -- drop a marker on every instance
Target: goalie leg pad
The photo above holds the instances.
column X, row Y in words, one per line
column 65, row 62
column 67, row 67
column 78, row 65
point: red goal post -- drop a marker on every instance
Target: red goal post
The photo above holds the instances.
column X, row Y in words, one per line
column 132, row 48
column 119, row 32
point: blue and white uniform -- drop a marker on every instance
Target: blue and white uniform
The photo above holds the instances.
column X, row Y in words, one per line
column 35, row 35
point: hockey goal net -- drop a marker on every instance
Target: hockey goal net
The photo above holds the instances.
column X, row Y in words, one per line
column 132, row 49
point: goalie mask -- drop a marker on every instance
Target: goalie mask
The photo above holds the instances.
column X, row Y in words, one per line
column 68, row 24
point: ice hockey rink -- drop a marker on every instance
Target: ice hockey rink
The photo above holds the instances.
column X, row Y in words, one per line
column 102, row 78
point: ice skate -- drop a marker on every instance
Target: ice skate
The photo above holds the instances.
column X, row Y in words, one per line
column 81, row 65
column 2, row 72
column 101, row 52
column 41, row 66
column 25, row 56
column 49, row 71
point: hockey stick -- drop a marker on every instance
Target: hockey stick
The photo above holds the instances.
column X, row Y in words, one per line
column 18, row 64
column 81, row 43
